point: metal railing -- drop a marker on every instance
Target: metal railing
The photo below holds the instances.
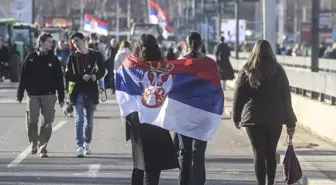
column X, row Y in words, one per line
column 315, row 85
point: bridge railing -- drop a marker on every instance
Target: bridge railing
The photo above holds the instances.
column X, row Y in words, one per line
column 316, row 85
column 326, row 65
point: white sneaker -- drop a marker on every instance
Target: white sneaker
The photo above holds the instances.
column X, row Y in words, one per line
column 87, row 149
column 80, row 152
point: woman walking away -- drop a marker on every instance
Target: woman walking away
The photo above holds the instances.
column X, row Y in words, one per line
column 152, row 146
column 192, row 151
column 262, row 104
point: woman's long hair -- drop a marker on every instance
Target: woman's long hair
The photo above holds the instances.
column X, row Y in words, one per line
column 261, row 64
column 147, row 49
column 124, row 44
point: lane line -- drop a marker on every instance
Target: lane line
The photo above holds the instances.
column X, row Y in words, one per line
column 59, row 125
column 25, row 152
column 93, row 170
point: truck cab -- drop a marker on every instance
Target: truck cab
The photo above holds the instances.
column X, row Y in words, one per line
column 16, row 49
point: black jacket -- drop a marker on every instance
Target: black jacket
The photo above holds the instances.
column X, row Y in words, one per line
column 41, row 75
column 267, row 105
column 74, row 74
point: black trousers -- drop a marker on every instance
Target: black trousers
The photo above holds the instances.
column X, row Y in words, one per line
column 264, row 142
column 192, row 160
column 148, row 177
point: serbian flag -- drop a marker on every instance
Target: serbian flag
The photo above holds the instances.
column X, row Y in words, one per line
column 158, row 16
column 183, row 96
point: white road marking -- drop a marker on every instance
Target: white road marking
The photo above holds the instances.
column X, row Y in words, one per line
column 25, row 152
column 14, row 101
column 4, row 90
column 93, row 170
column 59, row 125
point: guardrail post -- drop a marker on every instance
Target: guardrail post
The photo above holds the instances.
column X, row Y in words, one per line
column 322, row 97
column 304, row 92
column 314, row 95
column 333, row 100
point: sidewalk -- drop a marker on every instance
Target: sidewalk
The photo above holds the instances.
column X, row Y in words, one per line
column 317, row 156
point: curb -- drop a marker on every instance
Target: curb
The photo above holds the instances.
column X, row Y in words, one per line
column 310, row 174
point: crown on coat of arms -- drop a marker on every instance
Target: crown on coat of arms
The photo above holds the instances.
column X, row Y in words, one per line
column 160, row 67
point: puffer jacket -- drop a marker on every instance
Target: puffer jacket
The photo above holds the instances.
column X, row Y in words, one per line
column 267, row 105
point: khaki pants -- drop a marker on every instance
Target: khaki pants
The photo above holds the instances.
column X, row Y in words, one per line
column 46, row 104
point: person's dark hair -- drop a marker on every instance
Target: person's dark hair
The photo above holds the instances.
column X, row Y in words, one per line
column 147, row 49
column 42, row 38
column 261, row 64
column 194, row 42
column 76, row 34
column 93, row 36
column 124, row 44
column 222, row 39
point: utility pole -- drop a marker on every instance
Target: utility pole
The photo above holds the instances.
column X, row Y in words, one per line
column 315, row 35
column 237, row 28
column 219, row 19
column 296, row 19
column 269, row 23
column 128, row 18
column 187, row 11
column 82, row 15
column 118, row 21
column 193, row 5
column 282, row 18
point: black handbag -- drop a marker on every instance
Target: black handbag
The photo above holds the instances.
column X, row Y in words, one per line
column 292, row 172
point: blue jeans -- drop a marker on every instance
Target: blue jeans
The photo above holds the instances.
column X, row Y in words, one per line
column 84, row 135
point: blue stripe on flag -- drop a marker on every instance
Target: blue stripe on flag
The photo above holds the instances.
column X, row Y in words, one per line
column 124, row 76
column 203, row 95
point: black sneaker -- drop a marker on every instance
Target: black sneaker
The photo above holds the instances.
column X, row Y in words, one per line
column 33, row 151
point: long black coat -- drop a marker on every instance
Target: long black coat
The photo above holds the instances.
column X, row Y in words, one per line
column 222, row 53
column 152, row 146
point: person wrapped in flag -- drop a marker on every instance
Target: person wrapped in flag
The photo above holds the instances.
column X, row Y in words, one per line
column 152, row 147
column 183, row 96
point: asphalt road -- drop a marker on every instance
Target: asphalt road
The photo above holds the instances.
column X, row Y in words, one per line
column 229, row 156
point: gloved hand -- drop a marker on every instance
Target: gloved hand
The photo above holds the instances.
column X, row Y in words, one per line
column 93, row 77
column 86, row 77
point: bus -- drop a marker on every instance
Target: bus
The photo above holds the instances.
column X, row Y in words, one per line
column 140, row 28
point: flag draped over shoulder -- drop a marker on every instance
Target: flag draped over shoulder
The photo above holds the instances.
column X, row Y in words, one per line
column 183, row 96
